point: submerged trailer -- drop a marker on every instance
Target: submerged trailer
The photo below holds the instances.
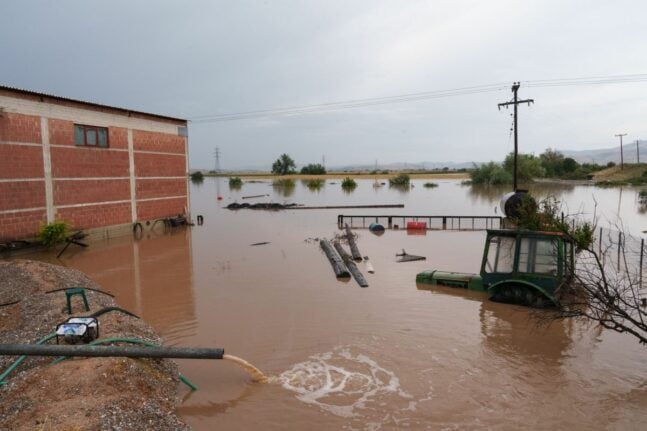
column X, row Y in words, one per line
column 518, row 266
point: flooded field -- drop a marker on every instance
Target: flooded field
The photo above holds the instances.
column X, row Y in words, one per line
column 390, row 356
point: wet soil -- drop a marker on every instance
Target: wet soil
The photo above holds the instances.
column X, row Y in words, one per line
column 78, row 394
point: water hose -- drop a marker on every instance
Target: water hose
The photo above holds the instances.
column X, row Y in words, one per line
column 182, row 378
column 9, row 303
column 109, row 309
column 22, row 358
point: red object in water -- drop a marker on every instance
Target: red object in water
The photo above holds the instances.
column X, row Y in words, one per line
column 219, row 198
column 416, row 225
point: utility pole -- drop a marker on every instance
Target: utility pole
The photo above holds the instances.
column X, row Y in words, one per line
column 622, row 161
column 515, row 101
column 216, row 155
column 637, row 152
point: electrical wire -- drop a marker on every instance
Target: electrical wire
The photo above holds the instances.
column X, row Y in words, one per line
column 412, row 97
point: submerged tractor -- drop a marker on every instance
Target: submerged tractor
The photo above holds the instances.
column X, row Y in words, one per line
column 519, row 267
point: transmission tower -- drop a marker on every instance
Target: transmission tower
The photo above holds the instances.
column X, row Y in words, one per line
column 216, row 156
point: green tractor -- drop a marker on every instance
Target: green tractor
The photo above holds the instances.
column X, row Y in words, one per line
column 519, row 267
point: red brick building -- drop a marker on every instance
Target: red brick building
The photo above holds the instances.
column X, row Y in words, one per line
column 91, row 165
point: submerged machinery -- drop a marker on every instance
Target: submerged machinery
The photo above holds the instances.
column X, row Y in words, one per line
column 518, row 266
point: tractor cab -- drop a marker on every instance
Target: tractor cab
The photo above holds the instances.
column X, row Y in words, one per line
column 519, row 266
column 526, row 267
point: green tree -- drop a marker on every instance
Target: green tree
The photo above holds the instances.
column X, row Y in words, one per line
column 528, row 166
column 490, row 174
column 284, row 165
column 569, row 165
column 313, row 169
column 553, row 162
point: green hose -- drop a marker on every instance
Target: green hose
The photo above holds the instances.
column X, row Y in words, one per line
column 182, row 378
column 22, row 358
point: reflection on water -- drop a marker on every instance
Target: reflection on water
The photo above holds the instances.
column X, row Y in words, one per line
column 437, row 358
column 284, row 187
column 314, row 185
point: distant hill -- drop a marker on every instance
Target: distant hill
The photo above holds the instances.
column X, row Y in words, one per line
column 606, row 155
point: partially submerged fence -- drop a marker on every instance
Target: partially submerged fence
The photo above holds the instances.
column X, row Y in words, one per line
column 621, row 255
column 444, row 222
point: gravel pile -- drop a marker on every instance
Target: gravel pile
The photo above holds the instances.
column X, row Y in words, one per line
column 78, row 394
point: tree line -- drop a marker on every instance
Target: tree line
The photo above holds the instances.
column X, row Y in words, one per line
column 285, row 165
column 549, row 164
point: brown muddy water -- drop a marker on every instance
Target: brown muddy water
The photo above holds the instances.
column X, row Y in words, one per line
column 390, row 356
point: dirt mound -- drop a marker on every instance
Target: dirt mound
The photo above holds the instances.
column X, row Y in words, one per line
column 79, row 394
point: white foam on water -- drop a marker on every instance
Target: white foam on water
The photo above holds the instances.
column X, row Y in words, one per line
column 345, row 384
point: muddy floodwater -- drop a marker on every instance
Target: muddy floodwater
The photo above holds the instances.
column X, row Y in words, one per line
column 390, row 356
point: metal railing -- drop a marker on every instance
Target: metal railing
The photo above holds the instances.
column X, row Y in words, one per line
column 434, row 222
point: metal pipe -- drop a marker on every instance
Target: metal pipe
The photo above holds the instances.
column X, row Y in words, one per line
column 111, row 351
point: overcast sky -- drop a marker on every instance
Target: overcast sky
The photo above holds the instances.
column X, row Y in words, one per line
column 195, row 58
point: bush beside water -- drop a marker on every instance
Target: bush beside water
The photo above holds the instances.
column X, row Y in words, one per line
column 401, row 180
column 52, row 233
column 348, row 184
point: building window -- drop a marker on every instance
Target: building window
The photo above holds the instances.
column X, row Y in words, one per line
column 91, row 136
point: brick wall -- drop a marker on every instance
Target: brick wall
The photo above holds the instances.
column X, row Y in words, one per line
column 20, row 225
column 157, row 188
column 88, row 217
column 20, row 161
column 22, row 194
column 70, row 192
column 159, row 165
column 149, row 210
column 163, row 142
column 19, row 128
column 81, row 202
column 89, row 162
column 61, row 132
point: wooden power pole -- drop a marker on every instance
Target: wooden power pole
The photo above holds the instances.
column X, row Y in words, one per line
column 622, row 161
column 515, row 101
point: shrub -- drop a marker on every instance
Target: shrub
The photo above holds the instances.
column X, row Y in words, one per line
column 52, row 233
column 235, row 183
column 544, row 216
column 490, row 174
column 401, row 180
column 430, row 185
column 313, row 169
column 642, row 197
column 348, row 184
column 314, row 184
column 197, row 177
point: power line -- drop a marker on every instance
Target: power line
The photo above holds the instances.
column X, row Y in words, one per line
column 347, row 104
column 411, row 97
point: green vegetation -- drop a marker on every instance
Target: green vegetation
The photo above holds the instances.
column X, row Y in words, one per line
column 52, row 233
column 430, row 185
column 550, row 164
column 545, row 216
column 348, row 184
column 490, row 174
column 284, row 186
column 314, row 185
column 235, row 183
column 528, row 166
column 284, row 165
column 197, row 177
column 313, row 169
column 402, row 180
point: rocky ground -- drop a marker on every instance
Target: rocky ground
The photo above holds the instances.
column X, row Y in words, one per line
column 77, row 394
